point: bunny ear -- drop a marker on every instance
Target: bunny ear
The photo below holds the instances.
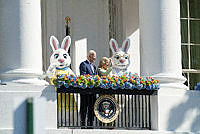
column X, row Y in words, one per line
column 66, row 43
column 54, row 43
column 114, row 45
column 126, row 45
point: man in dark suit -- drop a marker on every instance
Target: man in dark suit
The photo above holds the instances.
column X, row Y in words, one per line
column 88, row 100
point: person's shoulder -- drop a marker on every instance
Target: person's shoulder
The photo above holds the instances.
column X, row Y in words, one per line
column 86, row 61
column 83, row 63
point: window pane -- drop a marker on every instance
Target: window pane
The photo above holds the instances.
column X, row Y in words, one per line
column 194, row 8
column 184, row 31
column 185, row 58
column 195, row 56
column 194, row 79
column 183, row 8
column 195, row 31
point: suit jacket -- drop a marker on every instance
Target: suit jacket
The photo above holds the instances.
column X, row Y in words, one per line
column 85, row 68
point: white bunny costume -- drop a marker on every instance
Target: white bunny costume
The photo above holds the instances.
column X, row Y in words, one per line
column 120, row 58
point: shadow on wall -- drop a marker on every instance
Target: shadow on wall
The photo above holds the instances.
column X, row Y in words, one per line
column 20, row 116
column 187, row 114
column 49, row 93
column 131, row 31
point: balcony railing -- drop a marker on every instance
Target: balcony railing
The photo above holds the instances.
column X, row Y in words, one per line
column 134, row 108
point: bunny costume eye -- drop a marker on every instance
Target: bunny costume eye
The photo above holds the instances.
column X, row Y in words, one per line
column 65, row 56
column 56, row 56
column 126, row 56
column 117, row 56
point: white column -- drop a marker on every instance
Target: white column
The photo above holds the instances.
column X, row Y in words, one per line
column 20, row 40
column 161, row 41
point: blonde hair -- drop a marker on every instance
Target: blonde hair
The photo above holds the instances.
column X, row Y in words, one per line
column 103, row 61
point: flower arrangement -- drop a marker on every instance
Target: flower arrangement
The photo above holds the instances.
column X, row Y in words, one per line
column 130, row 81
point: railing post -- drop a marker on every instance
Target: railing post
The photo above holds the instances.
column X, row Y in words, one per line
column 57, row 110
column 149, row 112
column 29, row 117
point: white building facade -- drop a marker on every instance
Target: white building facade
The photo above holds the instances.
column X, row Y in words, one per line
column 165, row 40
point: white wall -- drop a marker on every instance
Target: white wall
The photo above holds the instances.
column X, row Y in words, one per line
column 131, row 30
column 90, row 22
column 183, row 112
column 176, row 110
column 10, row 92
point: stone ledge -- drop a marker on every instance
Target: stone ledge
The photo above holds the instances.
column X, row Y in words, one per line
column 98, row 131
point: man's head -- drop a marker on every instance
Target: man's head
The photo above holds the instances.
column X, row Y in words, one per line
column 91, row 56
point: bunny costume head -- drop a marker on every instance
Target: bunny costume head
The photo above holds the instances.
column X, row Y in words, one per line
column 120, row 58
column 60, row 59
column 60, row 56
